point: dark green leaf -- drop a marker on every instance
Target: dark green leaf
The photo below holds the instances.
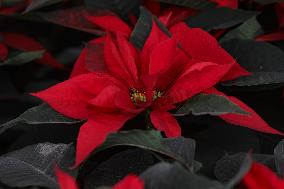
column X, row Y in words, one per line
column 209, row 104
column 219, row 18
column 184, row 147
column 148, row 140
column 227, row 167
column 143, row 28
column 116, row 167
column 244, row 168
column 248, row 30
column 200, row 4
column 263, row 60
column 279, row 157
column 42, row 114
column 167, row 176
column 34, row 165
column 22, row 58
column 121, row 7
column 37, row 4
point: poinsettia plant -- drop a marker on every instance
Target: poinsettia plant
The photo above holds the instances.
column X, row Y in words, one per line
column 141, row 94
column 126, row 79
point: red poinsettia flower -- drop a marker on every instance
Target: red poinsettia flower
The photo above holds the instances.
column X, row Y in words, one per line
column 65, row 181
column 25, row 43
column 123, row 81
column 261, row 177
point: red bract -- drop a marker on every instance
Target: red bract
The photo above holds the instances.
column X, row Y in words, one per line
column 25, row 43
column 65, row 181
column 261, row 177
column 122, row 81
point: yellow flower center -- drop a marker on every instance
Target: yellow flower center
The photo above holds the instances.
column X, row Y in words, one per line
column 140, row 97
column 137, row 96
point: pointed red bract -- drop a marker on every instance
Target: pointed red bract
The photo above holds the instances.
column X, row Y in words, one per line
column 155, row 37
column 164, row 121
column 252, row 120
column 261, row 177
column 71, row 97
column 201, row 46
column 110, row 23
column 94, row 132
column 120, row 59
column 65, row 181
column 24, row 43
column 196, row 79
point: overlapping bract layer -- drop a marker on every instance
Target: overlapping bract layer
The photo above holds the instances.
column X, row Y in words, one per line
column 113, row 82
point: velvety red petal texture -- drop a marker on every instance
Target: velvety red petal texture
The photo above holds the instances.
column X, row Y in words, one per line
column 65, row 181
column 261, row 177
column 123, row 102
column 196, row 79
column 201, row 46
column 103, row 102
column 130, row 182
column 120, row 59
column 110, row 23
column 162, row 57
column 155, row 37
column 167, row 61
column 70, row 97
column 25, row 43
column 94, row 132
column 252, row 120
column 3, row 52
column 164, row 121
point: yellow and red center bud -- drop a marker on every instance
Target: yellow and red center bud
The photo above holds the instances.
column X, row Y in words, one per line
column 138, row 97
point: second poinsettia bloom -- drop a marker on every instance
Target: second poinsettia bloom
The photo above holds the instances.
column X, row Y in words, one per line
column 125, row 81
